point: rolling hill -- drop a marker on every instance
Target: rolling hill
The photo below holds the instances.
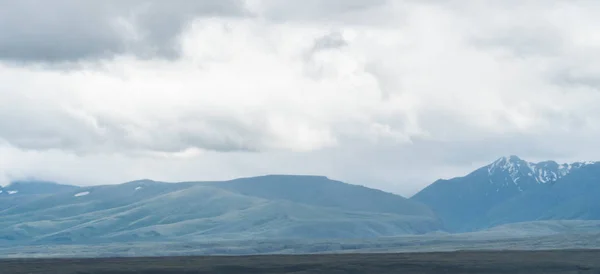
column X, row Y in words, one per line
column 267, row 207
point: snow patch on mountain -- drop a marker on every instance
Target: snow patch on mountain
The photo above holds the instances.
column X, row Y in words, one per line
column 517, row 169
column 82, row 194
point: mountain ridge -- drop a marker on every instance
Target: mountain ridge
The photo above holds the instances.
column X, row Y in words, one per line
column 543, row 172
column 470, row 202
column 506, row 191
column 145, row 210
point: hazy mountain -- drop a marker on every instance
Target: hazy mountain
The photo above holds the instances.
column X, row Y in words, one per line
column 33, row 187
column 321, row 191
column 20, row 192
column 251, row 208
column 510, row 190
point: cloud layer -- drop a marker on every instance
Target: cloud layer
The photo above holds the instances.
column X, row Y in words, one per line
column 71, row 30
column 389, row 94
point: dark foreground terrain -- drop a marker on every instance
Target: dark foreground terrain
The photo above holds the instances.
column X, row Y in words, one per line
column 572, row 261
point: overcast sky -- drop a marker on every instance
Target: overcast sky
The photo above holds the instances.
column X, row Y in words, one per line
column 387, row 94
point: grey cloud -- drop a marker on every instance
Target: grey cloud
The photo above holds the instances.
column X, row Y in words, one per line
column 573, row 76
column 69, row 134
column 333, row 40
column 317, row 10
column 388, row 80
column 566, row 65
column 41, row 129
column 568, row 79
column 524, row 41
column 209, row 132
column 530, row 29
column 83, row 133
column 71, row 30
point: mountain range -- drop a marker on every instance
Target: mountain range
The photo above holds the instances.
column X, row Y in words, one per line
column 508, row 191
column 250, row 208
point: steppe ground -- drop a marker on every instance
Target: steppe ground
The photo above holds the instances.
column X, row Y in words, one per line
column 561, row 261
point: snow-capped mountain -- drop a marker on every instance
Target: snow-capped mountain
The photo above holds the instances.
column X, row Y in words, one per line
column 463, row 203
column 516, row 170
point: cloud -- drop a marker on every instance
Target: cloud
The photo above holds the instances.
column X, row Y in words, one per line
column 236, row 93
column 70, row 30
column 313, row 11
column 425, row 89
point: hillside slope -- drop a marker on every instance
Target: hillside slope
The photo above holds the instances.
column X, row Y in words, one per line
column 251, row 208
column 321, row 191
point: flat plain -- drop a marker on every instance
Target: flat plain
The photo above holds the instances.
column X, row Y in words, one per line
column 556, row 261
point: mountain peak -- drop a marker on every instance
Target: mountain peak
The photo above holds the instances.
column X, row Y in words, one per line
column 517, row 169
column 513, row 158
column 510, row 163
column 508, row 159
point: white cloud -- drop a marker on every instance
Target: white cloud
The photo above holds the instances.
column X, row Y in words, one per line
column 252, row 87
column 426, row 89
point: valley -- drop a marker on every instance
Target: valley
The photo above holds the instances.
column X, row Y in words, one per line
column 531, row 262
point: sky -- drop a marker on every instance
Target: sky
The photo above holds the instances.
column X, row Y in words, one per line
column 387, row 94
